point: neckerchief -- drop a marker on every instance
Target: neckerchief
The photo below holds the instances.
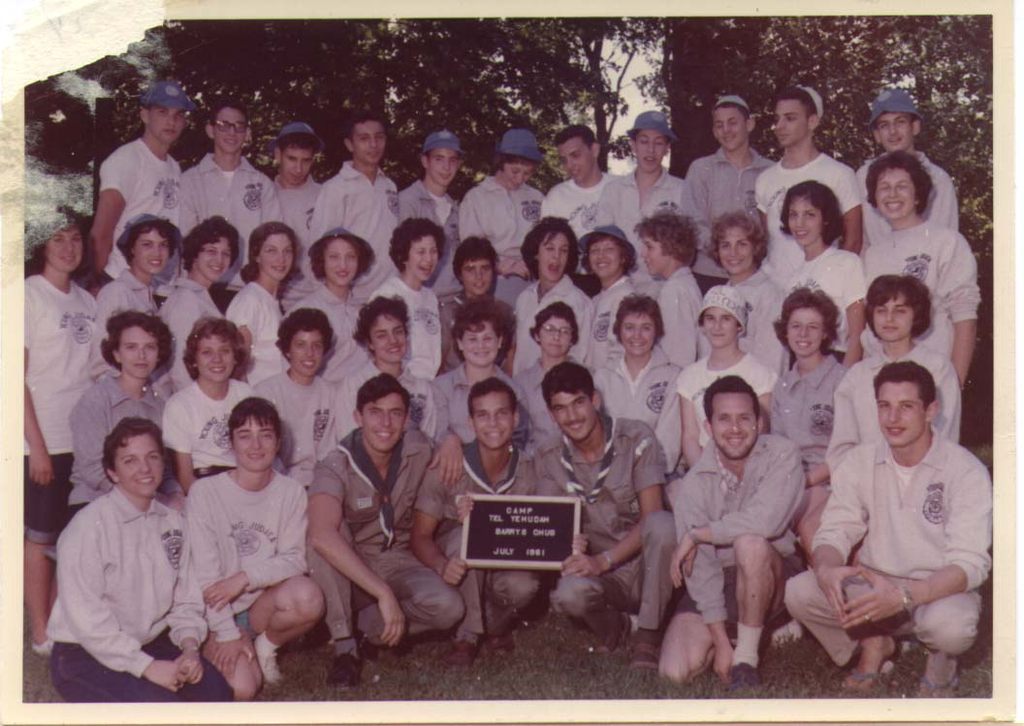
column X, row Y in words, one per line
column 473, row 465
column 572, row 484
column 352, row 447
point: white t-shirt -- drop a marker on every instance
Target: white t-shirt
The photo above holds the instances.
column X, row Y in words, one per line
column 258, row 310
column 527, row 307
column 604, row 346
column 696, row 378
column 197, row 425
column 784, row 254
column 149, row 186
column 187, row 302
column 576, row 204
column 59, row 330
column 837, row 273
column 297, row 205
column 307, row 420
column 423, row 354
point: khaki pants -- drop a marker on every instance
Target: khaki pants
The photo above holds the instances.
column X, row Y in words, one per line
column 948, row 625
column 498, row 592
column 642, row 582
column 429, row 603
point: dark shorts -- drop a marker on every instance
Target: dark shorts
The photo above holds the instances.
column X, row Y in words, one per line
column 46, row 508
column 792, row 565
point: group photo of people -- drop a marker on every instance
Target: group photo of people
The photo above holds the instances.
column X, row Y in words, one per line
column 269, row 367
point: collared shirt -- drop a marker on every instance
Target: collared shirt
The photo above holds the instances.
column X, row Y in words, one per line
column 763, row 502
column 307, row 418
column 803, row 408
column 126, row 292
column 124, row 577
column 366, row 209
column 449, row 307
column 680, row 302
column 247, row 199
column 542, row 425
column 502, row 216
column 529, row 303
column 650, row 398
column 452, row 394
column 942, row 516
column 604, row 345
column 93, row 417
column 417, row 201
column 620, row 205
column 941, row 209
column 345, row 355
column 719, row 187
column 336, row 476
column 260, row 312
column 188, row 302
column 638, row 463
column 424, row 413
column 856, row 413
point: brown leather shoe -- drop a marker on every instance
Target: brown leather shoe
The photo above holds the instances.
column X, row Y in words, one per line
column 462, row 654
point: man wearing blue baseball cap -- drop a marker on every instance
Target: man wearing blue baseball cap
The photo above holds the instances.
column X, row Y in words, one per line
column 503, row 208
column 895, row 123
column 141, row 177
column 724, row 181
column 294, row 150
column 428, row 198
column 649, row 189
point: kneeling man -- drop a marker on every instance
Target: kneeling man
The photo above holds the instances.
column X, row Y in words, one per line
column 360, row 520
column 734, row 510
column 920, row 507
column 617, row 469
column 491, row 464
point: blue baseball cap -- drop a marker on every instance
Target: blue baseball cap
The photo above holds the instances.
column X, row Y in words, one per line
column 605, row 230
column 520, row 142
column 168, row 94
column 892, row 100
column 652, row 121
column 295, row 127
column 443, row 139
column 122, row 240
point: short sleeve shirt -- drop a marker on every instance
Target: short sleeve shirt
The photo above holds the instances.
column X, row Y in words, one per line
column 197, row 425
column 696, row 378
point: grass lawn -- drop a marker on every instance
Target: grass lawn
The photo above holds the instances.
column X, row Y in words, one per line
column 552, row 660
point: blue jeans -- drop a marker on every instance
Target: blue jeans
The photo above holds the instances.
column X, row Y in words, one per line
column 80, row 678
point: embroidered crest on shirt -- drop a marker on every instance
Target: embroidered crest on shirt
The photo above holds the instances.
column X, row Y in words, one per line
column 247, row 537
column 80, row 324
column 810, row 284
column 320, row 418
column 428, row 319
column 531, row 210
column 667, row 207
column 587, row 214
column 393, row 202
column 167, row 190
column 172, row 542
column 417, row 405
column 253, row 198
column 601, row 327
column 656, row 396
column 932, row 509
column 821, row 419
column 917, row 266
column 216, row 429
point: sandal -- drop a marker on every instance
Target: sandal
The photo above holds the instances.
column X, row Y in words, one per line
column 863, row 683
column 927, row 689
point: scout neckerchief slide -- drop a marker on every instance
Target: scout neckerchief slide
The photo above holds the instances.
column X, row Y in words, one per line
column 474, row 468
column 352, row 446
column 572, row 484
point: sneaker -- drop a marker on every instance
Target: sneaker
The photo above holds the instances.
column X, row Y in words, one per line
column 44, row 649
column 790, row 632
column 743, row 675
column 344, row 671
column 462, row 654
column 266, row 656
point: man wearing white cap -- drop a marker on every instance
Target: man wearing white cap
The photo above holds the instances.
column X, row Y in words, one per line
column 294, row 150
column 724, row 181
column 650, row 188
column 141, row 177
column 428, row 198
column 503, row 208
column 895, row 123
column 798, row 111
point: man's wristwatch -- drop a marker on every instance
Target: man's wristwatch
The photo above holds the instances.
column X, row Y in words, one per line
column 908, row 601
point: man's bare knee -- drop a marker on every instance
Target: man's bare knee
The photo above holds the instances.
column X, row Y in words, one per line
column 753, row 553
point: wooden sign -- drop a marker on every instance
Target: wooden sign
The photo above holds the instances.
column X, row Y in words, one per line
column 518, row 533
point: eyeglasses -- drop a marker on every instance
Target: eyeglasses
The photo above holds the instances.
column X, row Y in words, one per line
column 555, row 330
column 226, row 126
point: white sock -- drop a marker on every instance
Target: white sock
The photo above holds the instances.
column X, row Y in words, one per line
column 263, row 645
column 747, row 640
